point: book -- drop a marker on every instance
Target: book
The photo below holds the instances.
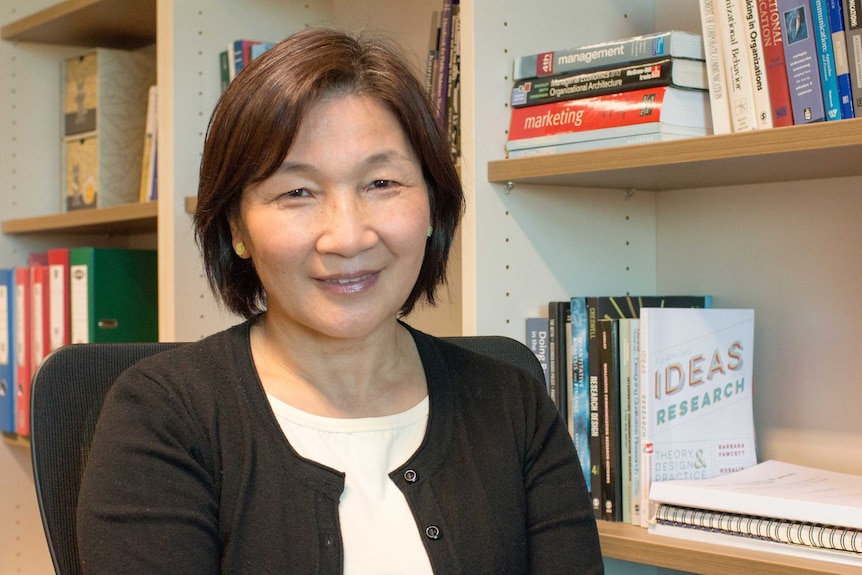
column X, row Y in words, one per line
column 7, row 351
column 224, row 69
column 743, row 115
column 718, row 99
column 853, row 34
column 776, row 66
column 696, row 385
column 826, row 59
column 585, row 313
column 256, row 50
column 640, row 134
column 673, row 43
column 40, row 312
column 23, row 371
column 113, row 295
column 453, row 94
column 536, row 338
column 635, row 422
column 558, row 315
column 611, row 425
column 581, row 397
column 626, row 349
column 239, row 54
column 148, row 158
column 431, row 54
column 800, row 54
column 842, row 67
column 757, row 64
column 440, row 92
column 58, row 283
column 793, row 506
column 578, row 120
column 678, row 72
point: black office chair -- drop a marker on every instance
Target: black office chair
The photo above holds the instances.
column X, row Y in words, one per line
column 66, row 396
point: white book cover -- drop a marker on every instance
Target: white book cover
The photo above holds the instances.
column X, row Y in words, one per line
column 695, row 385
column 740, row 93
column 775, row 490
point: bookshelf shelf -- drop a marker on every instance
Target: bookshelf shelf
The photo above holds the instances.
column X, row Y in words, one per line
column 104, row 23
column 125, row 219
column 811, row 151
column 630, row 543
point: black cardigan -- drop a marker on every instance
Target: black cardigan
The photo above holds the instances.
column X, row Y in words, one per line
column 190, row 473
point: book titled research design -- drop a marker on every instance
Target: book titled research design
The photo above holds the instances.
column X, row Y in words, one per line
column 696, row 394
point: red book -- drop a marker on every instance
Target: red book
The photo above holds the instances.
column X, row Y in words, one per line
column 58, row 268
column 773, row 57
column 611, row 115
column 22, row 350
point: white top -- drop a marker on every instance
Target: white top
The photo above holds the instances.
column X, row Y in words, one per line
column 378, row 530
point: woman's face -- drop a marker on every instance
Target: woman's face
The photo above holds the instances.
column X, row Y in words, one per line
column 337, row 235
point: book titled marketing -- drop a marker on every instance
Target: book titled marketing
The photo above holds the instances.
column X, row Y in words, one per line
column 695, row 386
column 580, row 119
column 673, row 43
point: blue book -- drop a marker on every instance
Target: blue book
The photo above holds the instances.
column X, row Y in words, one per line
column 842, row 65
column 826, row 58
column 7, row 350
column 800, row 55
column 580, row 386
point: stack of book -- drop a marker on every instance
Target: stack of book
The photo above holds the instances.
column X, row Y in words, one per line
column 443, row 71
column 63, row 296
column 772, row 506
column 653, row 388
column 633, row 90
column 781, row 62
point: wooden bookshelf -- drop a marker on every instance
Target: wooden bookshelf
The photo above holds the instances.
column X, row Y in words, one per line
column 811, row 151
column 630, row 543
column 125, row 24
column 122, row 219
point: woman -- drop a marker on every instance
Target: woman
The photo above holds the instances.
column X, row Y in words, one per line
column 323, row 435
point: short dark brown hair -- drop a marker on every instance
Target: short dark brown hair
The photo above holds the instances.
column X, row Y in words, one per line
column 254, row 124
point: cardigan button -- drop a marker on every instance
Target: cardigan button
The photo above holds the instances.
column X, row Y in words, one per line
column 410, row 476
column 433, row 532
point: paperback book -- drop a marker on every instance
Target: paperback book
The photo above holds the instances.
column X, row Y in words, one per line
column 852, row 9
column 800, row 54
column 719, row 106
column 785, row 507
column 648, row 134
column 740, row 91
column 826, row 59
column 776, row 66
column 581, row 119
column 673, row 43
column 695, row 387
column 678, row 72
column 587, row 387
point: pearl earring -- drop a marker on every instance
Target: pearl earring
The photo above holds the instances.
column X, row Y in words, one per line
column 239, row 249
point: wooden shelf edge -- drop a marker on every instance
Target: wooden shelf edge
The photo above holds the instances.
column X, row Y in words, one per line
column 728, row 159
column 137, row 217
column 636, row 544
column 104, row 23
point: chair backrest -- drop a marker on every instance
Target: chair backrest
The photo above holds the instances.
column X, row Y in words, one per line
column 66, row 397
